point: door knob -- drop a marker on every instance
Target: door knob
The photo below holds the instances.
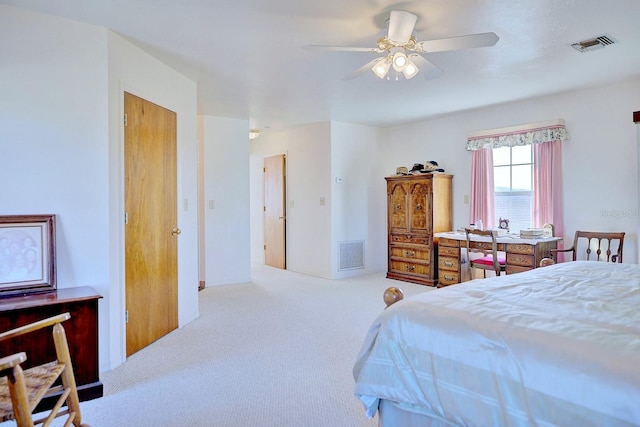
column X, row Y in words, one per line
column 176, row 231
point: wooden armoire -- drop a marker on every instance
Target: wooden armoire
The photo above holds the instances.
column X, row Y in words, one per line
column 418, row 206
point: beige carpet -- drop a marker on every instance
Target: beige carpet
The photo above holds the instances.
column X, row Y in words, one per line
column 274, row 352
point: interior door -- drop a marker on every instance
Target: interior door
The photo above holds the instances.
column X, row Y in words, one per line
column 151, row 279
column 274, row 212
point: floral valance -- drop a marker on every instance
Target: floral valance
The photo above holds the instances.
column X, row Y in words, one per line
column 531, row 133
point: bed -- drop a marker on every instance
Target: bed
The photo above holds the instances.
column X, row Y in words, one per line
column 554, row 346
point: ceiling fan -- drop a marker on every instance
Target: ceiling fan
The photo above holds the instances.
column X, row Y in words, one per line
column 402, row 53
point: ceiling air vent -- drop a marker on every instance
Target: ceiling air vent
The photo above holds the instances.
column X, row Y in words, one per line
column 593, row 44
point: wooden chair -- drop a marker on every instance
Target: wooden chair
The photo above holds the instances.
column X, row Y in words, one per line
column 489, row 258
column 602, row 243
column 546, row 261
column 22, row 390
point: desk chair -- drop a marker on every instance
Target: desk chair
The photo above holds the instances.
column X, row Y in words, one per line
column 546, row 261
column 22, row 390
column 489, row 258
column 604, row 244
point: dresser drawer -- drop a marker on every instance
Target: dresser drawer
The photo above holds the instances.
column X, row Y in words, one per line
column 409, row 267
column 448, row 263
column 410, row 252
column 448, row 277
column 443, row 241
column 448, row 251
column 515, row 248
column 410, row 238
column 521, row 260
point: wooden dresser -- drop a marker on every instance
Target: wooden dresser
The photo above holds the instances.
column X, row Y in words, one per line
column 81, row 330
column 417, row 207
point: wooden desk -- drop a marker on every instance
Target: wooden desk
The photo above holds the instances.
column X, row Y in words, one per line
column 81, row 330
column 521, row 254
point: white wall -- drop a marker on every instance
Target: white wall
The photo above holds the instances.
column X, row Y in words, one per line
column 62, row 86
column 599, row 161
column 358, row 196
column 226, row 201
column 308, row 170
column 54, row 146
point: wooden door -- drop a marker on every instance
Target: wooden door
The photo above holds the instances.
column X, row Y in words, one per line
column 274, row 212
column 151, row 279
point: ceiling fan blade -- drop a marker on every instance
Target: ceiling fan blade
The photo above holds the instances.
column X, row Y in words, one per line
column 345, row 48
column 401, row 25
column 366, row 67
column 456, row 43
column 426, row 68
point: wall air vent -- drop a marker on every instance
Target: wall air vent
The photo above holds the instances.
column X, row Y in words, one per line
column 593, row 44
column 351, row 255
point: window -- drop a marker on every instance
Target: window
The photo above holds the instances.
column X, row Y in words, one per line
column 514, row 192
column 513, row 185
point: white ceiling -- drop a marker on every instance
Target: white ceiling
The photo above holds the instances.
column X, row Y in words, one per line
column 249, row 59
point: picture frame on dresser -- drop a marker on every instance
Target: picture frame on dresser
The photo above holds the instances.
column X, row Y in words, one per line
column 27, row 254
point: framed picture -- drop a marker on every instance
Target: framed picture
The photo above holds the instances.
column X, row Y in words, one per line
column 27, row 254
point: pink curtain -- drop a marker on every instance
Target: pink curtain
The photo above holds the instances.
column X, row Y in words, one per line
column 547, row 186
column 482, row 192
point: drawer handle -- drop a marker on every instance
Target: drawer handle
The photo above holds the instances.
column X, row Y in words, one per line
column 410, row 253
column 409, row 267
column 419, row 207
column 448, row 277
column 398, row 206
column 447, row 263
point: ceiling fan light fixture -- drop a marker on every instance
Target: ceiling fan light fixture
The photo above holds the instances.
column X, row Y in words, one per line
column 400, row 61
column 381, row 68
column 410, row 70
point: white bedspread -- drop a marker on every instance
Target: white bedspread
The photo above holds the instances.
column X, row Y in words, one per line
column 558, row 345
